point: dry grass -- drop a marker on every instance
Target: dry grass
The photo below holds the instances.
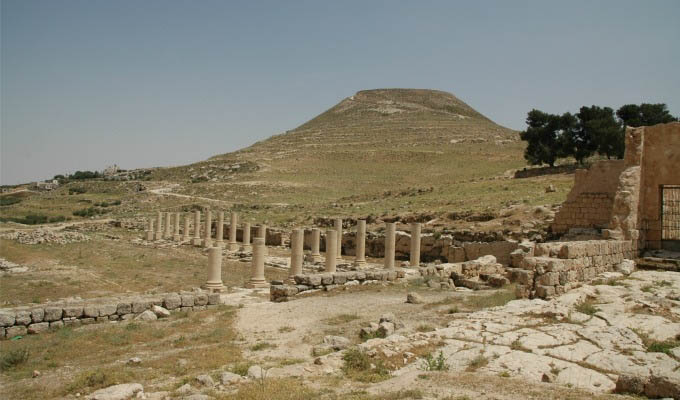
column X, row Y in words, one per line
column 87, row 358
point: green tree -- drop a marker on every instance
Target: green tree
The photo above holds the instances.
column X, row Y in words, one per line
column 644, row 114
column 600, row 127
column 543, row 137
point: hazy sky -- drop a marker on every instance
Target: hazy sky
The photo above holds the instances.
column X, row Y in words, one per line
column 85, row 84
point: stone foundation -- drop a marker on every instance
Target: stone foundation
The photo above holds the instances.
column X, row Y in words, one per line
column 20, row 321
column 330, row 281
column 556, row 267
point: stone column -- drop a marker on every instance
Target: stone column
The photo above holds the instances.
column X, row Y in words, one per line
column 233, row 244
column 159, row 227
column 297, row 241
column 207, row 235
column 168, row 226
column 246, row 238
column 338, row 228
column 176, row 237
column 415, row 244
column 262, row 233
column 360, row 257
column 197, row 228
column 214, row 283
column 390, row 237
column 219, row 235
column 257, row 280
column 331, row 249
column 316, row 238
column 149, row 232
column 185, row 234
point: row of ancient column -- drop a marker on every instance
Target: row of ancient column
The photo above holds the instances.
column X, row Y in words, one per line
column 257, row 280
column 334, row 246
column 207, row 241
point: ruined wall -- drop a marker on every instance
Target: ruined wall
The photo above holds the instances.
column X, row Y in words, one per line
column 39, row 318
column 660, row 166
column 557, row 267
column 590, row 201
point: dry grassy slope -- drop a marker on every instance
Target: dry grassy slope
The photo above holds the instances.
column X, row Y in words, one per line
column 368, row 144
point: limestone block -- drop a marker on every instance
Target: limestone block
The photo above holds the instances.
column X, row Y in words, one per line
column 172, row 301
column 390, row 275
column 339, row 278
column 56, row 324
column 37, row 315
column 53, row 314
column 87, row 321
column 545, row 292
column 201, row 299
column 38, row 327
column 107, row 309
column 123, row 308
column 213, row 298
column 16, row 330
column 73, row 311
column 187, row 300
column 91, row 311
column 23, row 317
column 102, row 319
column 7, row 318
column 313, row 280
column 139, row 306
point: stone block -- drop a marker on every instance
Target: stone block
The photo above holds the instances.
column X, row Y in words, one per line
column 339, row 278
column 545, row 292
column 391, row 275
column 107, row 309
column 74, row 311
column 139, row 306
column 187, row 300
column 123, row 308
column 87, row 321
column 56, row 324
column 16, row 330
column 53, row 314
column 91, row 311
column 213, row 299
column 201, row 299
column 7, row 318
column 313, row 280
column 549, row 279
column 360, row 276
column 23, row 317
column 326, row 279
column 102, row 319
column 37, row 315
column 38, row 327
column 173, row 301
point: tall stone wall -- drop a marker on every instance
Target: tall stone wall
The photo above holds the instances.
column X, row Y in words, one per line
column 591, row 199
column 660, row 165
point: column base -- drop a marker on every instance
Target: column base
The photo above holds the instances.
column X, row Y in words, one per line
column 232, row 246
column 149, row 236
column 219, row 244
column 314, row 258
column 246, row 248
column 185, row 239
column 257, row 284
column 215, row 287
column 158, row 236
column 359, row 263
column 207, row 243
column 196, row 242
column 176, row 237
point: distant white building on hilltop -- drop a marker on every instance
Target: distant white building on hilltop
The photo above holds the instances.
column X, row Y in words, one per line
column 112, row 170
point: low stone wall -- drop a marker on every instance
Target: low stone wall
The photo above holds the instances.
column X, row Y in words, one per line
column 555, row 268
column 329, row 281
column 482, row 273
column 35, row 319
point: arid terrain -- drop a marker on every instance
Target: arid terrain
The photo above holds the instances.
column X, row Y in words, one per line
column 398, row 155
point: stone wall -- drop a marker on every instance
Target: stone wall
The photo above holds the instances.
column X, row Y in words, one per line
column 660, row 165
column 590, row 201
column 482, row 273
column 307, row 283
column 39, row 318
column 556, row 267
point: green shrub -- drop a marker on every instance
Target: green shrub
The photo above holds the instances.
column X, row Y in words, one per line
column 9, row 200
column 77, row 190
column 12, row 358
column 359, row 366
column 431, row 363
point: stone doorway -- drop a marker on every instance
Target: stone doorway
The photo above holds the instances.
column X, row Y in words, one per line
column 670, row 217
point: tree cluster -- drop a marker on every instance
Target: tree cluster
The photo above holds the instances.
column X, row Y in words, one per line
column 592, row 130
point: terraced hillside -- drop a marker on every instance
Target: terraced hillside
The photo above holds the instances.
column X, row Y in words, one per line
column 378, row 152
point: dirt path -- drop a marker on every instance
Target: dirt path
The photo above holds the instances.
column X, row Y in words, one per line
column 167, row 191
